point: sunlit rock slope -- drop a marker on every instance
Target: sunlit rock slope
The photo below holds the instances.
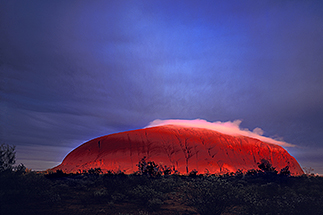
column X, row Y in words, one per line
column 184, row 148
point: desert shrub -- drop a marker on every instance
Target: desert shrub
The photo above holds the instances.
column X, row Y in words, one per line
column 266, row 168
column 118, row 197
column 142, row 194
column 211, row 195
column 286, row 203
column 20, row 169
column 254, row 193
column 102, row 196
column 193, row 173
column 238, row 173
column 164, row 185
column 267, row 173
column 26, row 193
column 101, row 193
column 58, row 174
column 154, row 204
column 94, row 171
column 297, row 196
column 117, row 183
column 166, row 170
column 149, row 168
column 285, row 171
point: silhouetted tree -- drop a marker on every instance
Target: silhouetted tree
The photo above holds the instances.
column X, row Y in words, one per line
column 193, row 173
column 20, row 168
column 285, row 171
column 148, row 168
column 166, row 170
column 239, row 173
column 142, row 165
column 95, row 171
column 266, row 167
column 7, row 157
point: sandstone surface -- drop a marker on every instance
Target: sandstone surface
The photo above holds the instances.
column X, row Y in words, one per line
column 182, row 148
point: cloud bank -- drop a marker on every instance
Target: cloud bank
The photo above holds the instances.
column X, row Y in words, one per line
column 231, row 128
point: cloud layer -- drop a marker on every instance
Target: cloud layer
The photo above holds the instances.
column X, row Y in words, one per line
column 231, row 128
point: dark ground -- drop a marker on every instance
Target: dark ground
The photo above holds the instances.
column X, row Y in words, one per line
column 59, row 193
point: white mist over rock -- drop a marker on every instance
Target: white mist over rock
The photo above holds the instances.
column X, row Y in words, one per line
column 230, row 128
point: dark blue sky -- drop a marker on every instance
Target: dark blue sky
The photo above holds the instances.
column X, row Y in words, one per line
column 74, row 70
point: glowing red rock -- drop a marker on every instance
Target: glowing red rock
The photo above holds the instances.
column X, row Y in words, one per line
column 184, row 148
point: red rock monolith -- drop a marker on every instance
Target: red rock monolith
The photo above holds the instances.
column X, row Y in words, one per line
column 182, row 148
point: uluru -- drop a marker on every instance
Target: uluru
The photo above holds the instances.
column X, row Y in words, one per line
column 181, row 148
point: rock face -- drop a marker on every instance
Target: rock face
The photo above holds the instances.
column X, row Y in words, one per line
column 183, row 148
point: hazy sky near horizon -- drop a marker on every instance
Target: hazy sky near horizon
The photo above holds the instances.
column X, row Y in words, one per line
column 74, row 70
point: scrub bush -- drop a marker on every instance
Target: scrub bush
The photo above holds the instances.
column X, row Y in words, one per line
column 7, row 157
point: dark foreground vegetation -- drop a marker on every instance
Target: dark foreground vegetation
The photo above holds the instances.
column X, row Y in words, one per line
column 151, row 191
